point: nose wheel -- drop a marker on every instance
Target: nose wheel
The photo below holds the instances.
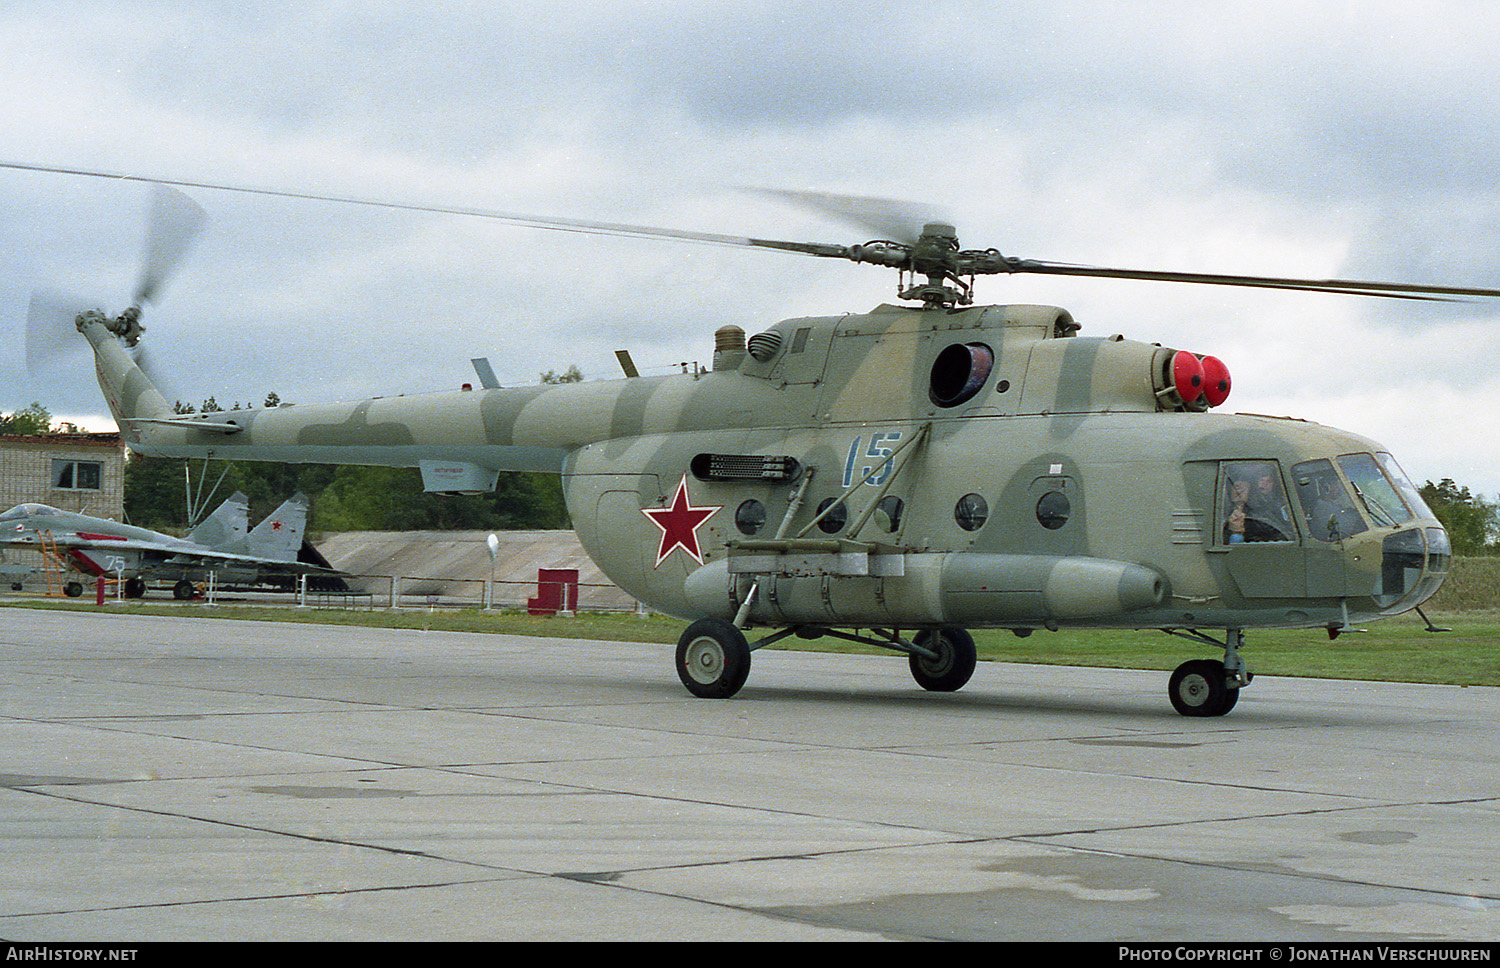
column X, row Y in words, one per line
column 1208, row 687
column 1199, row 688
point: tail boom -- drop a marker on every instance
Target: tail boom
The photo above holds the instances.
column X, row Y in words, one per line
column 130, row 394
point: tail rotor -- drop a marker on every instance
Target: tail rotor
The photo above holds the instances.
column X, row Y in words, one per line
column 174, row 223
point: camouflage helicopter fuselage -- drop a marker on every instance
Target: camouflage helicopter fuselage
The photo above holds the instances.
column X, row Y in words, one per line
column 986, row 467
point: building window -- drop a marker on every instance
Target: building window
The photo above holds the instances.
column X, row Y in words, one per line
column 77, row 475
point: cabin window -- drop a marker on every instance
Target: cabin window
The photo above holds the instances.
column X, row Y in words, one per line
column 750, row 517
column 888, row 513
column 835, row 520
column 1327, row 510
column 1053, row 510
column 971, row 512
column 1252, row 503
column 77, row 475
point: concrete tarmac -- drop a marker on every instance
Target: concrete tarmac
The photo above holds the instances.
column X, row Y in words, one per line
column 195, row 779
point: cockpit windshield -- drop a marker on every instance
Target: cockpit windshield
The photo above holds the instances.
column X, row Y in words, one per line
column 1375, row 492
column 28, row 510
column 1327, row 509
column 1403, row 484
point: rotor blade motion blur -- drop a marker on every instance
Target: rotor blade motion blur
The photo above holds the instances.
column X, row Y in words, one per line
column 889, row 219
column 175, row 223
column 933, row 252
column 50, row 334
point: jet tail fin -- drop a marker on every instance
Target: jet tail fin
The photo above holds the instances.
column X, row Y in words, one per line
column 279, row 536
column 229, row 523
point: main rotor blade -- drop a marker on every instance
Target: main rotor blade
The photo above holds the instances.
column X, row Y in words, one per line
column 889, row 219
column 987, row 262
column 1347, row 287
column 582, row 226
column 175, row 222
column 50, row 330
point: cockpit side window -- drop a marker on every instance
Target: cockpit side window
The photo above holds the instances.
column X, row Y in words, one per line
column 1327, row 509
column 1252, row 503
column 1374, row 492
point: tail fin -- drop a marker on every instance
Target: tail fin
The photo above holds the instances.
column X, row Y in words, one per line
column 279, row 536
column 230, row 522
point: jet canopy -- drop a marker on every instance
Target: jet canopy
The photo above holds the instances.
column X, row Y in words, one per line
column 21, row 511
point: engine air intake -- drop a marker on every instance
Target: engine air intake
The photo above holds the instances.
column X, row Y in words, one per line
column 959, row 372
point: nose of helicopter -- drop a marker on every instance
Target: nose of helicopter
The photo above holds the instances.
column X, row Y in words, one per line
column 1413, row 564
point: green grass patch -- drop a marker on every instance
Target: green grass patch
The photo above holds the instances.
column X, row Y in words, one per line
column 1396, row 650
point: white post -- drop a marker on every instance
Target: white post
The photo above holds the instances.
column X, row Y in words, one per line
column 493, row 544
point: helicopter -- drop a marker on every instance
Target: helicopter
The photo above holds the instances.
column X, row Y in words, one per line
column 894, row 478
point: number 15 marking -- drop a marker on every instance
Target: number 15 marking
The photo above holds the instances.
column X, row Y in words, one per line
column 880, row 450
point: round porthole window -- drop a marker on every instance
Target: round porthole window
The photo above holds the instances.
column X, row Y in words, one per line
column 1053, row 510
column 750, row 517
column 836, row 519
column 888, row 513
column 971, row 512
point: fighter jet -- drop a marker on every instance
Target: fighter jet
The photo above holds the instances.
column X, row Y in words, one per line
column 222, row 546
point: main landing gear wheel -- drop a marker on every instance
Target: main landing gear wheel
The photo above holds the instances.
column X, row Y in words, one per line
column 713, row 659
column 135, row 587
column 73, row 589
column 183, row 590
column 953, row 664
column 1201, row 688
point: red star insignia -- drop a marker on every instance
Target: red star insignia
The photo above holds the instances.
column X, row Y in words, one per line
column 679, row 524
column 275, row 525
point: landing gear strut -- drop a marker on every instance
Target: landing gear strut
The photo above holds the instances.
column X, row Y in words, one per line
column 1208, row 687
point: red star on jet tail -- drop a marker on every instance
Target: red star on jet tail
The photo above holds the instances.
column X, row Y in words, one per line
column 679, row 524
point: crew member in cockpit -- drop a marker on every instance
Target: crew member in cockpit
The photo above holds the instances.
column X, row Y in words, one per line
column 1257, row 507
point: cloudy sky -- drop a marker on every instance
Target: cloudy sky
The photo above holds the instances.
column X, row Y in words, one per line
column 1289, row 138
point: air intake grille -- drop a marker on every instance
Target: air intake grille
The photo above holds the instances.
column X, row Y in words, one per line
column 745, row 467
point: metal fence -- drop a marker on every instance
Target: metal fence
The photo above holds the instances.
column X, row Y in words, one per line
column 416, row 591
